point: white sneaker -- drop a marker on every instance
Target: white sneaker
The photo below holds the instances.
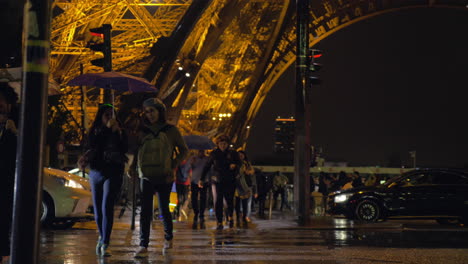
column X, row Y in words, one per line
column 167, row 244
column 142, row 252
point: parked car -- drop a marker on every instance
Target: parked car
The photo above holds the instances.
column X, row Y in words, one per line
column 78, row 172
column 66, row 199
column 440, row 194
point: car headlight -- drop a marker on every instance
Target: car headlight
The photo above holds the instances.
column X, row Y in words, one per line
column 69, row 183
column 73, row 184
column 341, row 198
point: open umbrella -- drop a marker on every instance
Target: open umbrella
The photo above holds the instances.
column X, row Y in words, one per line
column 198, row 142
column 114, row 81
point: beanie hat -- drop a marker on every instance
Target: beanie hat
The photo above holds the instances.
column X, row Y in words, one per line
column 159, row 105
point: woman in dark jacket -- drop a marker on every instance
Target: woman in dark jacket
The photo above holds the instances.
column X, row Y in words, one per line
column 106, row 148
column 8, row 99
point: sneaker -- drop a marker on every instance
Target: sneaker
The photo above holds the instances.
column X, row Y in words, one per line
column 220, row 226
column 105, row 251
column 142, row 252
column 247, row 219
column 98, row 248
column 167, row 244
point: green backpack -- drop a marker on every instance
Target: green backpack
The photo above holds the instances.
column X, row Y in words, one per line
column 155, row 157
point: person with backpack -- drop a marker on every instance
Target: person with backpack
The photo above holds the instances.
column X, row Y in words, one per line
column 106, row 147
column 161, row 150
column 226, row 164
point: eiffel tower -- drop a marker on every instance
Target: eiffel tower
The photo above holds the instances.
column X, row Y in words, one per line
column 213, row 61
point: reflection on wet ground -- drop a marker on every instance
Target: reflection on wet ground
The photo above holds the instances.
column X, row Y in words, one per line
column 279, row 240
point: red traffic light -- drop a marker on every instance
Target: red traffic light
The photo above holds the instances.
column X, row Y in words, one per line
column 97, row 34
column 101, row 31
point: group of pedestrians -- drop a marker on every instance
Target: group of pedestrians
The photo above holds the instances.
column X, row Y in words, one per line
column 160, row 155
column 161, row 161
column 161, row 149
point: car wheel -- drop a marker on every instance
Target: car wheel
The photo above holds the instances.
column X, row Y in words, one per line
column 368, row 210
column 47, row 209
column 62, row 224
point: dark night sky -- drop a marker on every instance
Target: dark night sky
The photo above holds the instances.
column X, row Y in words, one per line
column 391, row 84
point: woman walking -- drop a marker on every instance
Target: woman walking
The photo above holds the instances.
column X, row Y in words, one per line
column 246, row 188
column 106, row 148
column 162, row 149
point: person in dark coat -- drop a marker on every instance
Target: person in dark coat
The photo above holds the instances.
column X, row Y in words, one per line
column 264, row 185
column 8, row 99
column 106, row 147
column 226, row 164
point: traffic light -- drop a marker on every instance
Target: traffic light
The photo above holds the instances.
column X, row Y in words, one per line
column 103, row 32
column 313, row 55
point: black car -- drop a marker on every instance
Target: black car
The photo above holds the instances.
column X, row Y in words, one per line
column 440, row 194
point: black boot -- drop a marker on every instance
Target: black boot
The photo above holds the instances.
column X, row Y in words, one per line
column 202, row 223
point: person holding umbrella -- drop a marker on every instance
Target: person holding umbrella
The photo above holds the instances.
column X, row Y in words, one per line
column 161, row 151
column 106, row 147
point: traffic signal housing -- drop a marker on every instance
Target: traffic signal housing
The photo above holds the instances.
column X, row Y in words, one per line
column 313, row 56
column 103, row 32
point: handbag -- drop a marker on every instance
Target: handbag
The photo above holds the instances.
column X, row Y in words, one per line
column 243, row 190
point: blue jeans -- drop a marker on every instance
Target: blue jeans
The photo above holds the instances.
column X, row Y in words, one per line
column 249, row 205
column 147, row 191
column 105, row 189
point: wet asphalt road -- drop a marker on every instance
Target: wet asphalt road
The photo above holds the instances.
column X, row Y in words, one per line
column 279, row 240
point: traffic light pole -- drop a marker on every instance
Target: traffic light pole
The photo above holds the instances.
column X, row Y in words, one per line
column 302, row 115
column 106, row 48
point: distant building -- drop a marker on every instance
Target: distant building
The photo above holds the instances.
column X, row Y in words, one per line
column 284, row 135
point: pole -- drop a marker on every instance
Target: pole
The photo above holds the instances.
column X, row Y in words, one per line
column 302, row 115
column 33, row 116
column 83, row 117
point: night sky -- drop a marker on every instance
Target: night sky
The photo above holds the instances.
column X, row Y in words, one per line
column 393, row 83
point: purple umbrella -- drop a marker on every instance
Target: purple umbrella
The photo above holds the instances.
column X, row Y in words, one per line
column 114, row 81
column 198, row 142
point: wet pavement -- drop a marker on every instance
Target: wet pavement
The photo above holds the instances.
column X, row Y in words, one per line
column 278, row 240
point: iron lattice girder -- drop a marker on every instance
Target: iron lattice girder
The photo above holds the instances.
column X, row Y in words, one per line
column 136, row 26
